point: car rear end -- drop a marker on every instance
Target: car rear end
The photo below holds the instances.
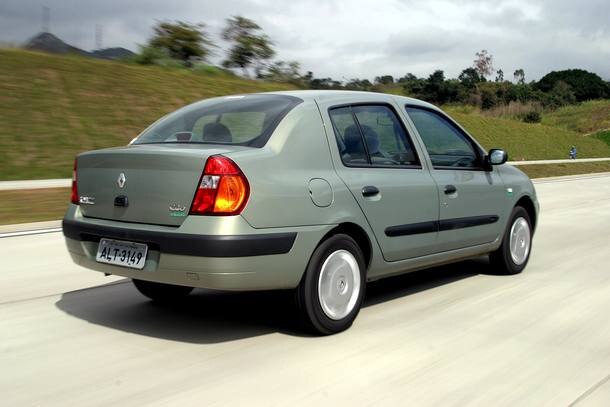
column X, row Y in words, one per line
column 169, row 207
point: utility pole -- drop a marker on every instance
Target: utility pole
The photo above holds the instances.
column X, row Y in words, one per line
column 99, row 32
column 46, row 19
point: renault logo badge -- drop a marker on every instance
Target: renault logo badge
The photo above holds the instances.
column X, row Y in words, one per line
column 122, row 180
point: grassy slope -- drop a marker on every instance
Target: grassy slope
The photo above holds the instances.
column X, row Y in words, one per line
column 525, row 141
column 583, row 118
column 52, row 107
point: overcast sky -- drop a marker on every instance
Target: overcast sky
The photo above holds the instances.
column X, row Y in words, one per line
column 355, row 38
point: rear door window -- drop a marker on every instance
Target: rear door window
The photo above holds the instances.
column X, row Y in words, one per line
column 372, row 135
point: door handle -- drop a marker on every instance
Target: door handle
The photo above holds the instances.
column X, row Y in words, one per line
column 450, row 189
column 369, row 190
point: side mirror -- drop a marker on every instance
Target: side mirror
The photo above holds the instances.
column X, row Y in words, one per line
column 495, row 157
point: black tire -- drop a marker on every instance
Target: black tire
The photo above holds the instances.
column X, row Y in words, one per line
column 501, row 260
column 162, row 293
column 307, row 297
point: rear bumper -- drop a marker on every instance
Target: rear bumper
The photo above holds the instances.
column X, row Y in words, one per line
column 185, row 243
column 223, row 253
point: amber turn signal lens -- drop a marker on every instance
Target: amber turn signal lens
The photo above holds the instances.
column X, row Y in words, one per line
column 223, row 189
column 232, row 192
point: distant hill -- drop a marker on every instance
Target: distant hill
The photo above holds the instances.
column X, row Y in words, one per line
column 47, row 42
column 112, row 53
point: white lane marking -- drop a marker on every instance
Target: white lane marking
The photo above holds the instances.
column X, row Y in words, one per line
column 29, row 232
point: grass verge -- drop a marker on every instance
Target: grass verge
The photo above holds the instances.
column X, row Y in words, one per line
column 33, row 205
column 557, row 170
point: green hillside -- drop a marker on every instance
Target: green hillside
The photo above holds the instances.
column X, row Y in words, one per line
column 586, row 117
column 525, row 141
column 52, row 107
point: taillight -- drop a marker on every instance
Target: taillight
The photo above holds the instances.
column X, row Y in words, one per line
column 74, row 197
column 223, row 188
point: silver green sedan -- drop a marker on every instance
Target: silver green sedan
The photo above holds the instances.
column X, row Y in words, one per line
column 315, row 191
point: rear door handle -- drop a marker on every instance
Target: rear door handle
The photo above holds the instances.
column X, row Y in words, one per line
column 450, row 189
column 369, row 190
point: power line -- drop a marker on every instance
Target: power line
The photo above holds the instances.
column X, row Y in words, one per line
column 46, row 19
column 99, row 33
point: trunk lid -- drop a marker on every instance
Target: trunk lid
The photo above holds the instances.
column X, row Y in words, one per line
column 158, row 181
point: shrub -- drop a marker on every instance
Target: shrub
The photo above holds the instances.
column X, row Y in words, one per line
column 489, row 99
column 149, row 56
column 531, row 117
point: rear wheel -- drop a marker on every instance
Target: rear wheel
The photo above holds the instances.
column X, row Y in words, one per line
column 514, row 253
column 332, row 289
column 162, row 293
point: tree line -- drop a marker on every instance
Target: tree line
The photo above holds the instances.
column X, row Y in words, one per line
column 251, row 51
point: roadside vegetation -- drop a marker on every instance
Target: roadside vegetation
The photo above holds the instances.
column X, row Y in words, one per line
column 53, row 107
column 556, row 170
column 586, row 117
column 50, row 204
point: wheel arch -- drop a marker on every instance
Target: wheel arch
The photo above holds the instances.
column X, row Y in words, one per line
column 528, row 204
column 357, row 233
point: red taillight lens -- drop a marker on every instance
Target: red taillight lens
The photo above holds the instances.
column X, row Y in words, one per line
column 223, row 189
column 74, row 196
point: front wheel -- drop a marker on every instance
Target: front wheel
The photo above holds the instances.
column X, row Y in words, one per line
column 162, row 293
column 514, row 253
column 332, row 289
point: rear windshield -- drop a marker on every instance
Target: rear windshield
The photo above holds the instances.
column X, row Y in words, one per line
column 237, row 120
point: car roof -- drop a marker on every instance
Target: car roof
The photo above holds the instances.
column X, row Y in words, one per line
column 350, row 96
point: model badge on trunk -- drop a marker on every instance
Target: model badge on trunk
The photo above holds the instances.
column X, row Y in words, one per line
column 177, row 210
column 86, row 200
column 122, row 180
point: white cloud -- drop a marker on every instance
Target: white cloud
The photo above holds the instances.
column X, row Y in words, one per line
column 358, row 38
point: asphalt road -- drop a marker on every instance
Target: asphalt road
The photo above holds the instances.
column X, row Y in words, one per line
column 447, row 336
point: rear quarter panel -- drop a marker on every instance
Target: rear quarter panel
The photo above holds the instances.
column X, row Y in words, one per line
column 280, row 173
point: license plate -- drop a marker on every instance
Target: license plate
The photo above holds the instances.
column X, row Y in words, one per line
column 121, row 253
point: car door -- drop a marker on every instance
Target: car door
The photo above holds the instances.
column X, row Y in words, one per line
column 471, row 198
column 381, row 167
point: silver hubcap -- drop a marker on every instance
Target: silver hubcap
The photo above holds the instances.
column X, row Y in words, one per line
column 339, row 284
column 520, row 240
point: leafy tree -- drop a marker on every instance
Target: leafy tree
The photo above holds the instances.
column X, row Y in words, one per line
column 408, row 78
column 489, row 99
column 359, row 84
column 181, row 40
column 282, row 71
column 250, row 44
column 384, row 80
column 484, row 63
column 585, row 85
column 470, row 77
column 519, row 76
column 437, row 90
column 500, row 76
column 150, row 55
column 560, row 95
